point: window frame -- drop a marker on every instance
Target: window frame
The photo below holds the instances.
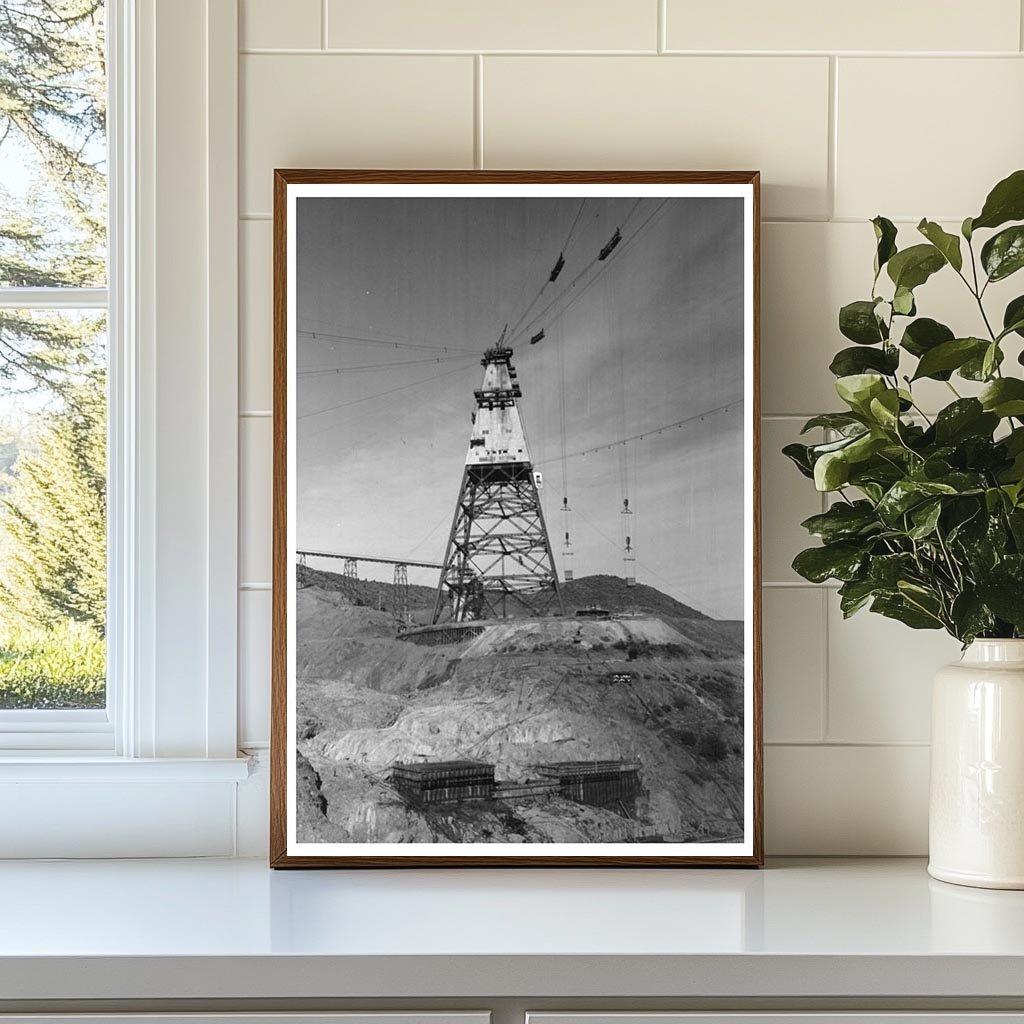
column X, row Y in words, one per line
column 169, row 151
column 76, row 730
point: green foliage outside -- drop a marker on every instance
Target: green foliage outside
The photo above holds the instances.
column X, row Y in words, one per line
column 52, row 365
column 927, row 525
column 59, row 667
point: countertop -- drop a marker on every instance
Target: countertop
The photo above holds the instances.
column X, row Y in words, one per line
column 233, row 929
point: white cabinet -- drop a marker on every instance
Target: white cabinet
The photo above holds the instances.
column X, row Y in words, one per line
column 784, row 1017
column 433, row 1017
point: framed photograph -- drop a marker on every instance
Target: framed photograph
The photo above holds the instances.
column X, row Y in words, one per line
column 516, row 612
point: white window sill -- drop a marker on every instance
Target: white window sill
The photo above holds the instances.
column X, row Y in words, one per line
column 77, row 766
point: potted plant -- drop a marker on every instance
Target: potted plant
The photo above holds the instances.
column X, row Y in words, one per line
column 926, row 521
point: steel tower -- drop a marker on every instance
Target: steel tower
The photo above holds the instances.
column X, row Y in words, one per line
column 498, row 562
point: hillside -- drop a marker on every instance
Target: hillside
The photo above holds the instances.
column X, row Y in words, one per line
column 612, row 593
column 600, row 591
column 665, row 690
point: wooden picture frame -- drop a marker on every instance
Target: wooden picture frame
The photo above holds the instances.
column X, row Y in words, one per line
column 467, row 595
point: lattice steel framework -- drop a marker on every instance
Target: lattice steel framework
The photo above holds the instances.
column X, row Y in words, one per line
column 401, row 594
column 498, row 562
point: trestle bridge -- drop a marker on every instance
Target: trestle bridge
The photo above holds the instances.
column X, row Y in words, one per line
column 350, row 568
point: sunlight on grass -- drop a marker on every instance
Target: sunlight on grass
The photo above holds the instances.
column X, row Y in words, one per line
column 61, row 667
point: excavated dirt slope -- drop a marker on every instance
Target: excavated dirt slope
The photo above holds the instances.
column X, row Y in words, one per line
column 523, row 692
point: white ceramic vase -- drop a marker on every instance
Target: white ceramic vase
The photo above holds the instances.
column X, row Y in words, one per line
column 976, row 815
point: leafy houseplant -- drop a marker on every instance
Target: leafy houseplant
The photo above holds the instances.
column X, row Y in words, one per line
column 927, row 525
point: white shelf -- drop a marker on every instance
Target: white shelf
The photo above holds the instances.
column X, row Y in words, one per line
column 223, row 929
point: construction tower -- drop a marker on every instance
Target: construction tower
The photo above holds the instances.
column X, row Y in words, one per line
column 498, row 561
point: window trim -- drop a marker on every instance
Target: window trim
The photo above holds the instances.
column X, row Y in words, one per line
column 78, row 730
column 149, row 118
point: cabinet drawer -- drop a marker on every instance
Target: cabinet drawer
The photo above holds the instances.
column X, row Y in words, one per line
column 785, row 1017
column 360, row 1017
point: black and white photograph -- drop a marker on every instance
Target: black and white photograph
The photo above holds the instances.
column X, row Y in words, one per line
column 516, row 521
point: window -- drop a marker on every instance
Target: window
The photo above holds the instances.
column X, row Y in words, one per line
column 118, row 261
column 53, row 363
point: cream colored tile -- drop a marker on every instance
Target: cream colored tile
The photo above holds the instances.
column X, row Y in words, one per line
column 793, row 628
column 867, row 25
column 255, row 320
column 471, row 25
column 254, row 513
column 273, row 24
column 847, row 801
column 351, row 111
column 787, row 499
column 808, row 271
column 253, row 667
column 964, row 131
column 880, row 676
column 690, row 113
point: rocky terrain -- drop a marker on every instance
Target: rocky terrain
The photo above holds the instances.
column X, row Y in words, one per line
column 662, row 686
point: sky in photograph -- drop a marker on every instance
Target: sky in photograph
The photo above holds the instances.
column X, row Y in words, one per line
column 650, row 337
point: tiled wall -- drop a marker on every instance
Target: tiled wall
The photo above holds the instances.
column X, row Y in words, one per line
column 907, row 108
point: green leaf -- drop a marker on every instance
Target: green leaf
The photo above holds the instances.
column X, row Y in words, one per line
column 965, row 229
column 841, row 561
column 947, row 244
column 1013, row 317
column 995, row 499
column 842, row 421
column 831, row 471
column 849, row 361
column 1006, row 599
column 1004, row 397
column 897, row 607
column 912, row 267
column 858, row 389
column 857, row 321
column 842, row 521
column 974, row 368
column 817, row 450
column 906, row 494
column 903, row 302
column 924, row 334
column 887, row 570
column 966, row 417
column 885, row 409
column 970, row 617
column 925, row 518
column 854, row 595
column 991, row 360
column 864, row 447
column 1003, row 254
column 885, row 238
column 950, row 355
column 799, row 455
column 1005, row 202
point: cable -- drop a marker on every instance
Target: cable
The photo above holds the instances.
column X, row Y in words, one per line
column 381, row 394
column 605, row 263
column 430, row 533
column 318, row 335
column 616, row 544
column 384, row 335
column 553, row 274
column 652, row 430
column 611, row 259
column 375, row 366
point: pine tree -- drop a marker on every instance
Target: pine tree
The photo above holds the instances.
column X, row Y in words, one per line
column 53, row 234
column 53, row 521
column 52, row 122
